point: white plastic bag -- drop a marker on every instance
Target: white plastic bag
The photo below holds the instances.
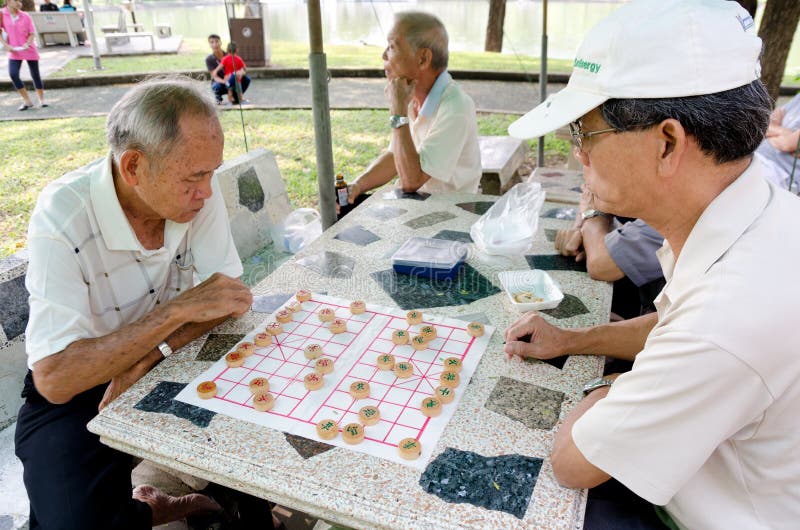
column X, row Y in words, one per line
column 509, row 227
column 300, row 228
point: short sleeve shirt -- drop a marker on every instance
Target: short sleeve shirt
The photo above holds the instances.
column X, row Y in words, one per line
column 445, row 133
column 212, row 61
column 88, row 275
column 633, row 248
column 706, row 422
column 18, row 29
column 231, row 62
column 778, row 165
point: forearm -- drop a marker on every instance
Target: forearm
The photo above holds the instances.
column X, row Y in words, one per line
column 87, row 363
column 621, row 340
column 406, row 161
column 381, row 171
column 570, row 467
column 599, row 263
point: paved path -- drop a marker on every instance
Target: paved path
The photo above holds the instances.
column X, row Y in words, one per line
column 345, row 93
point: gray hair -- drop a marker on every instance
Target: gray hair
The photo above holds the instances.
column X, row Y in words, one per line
column 423, row 30
column 147, row 117
column 727, row 125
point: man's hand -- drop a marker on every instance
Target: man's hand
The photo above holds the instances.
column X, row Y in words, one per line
column 399, row 91
column 570, row 243
column 786, row 141
column 218, row 297
column 547, row 341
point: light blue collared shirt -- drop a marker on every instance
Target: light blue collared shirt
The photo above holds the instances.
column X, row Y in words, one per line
column 431, row 102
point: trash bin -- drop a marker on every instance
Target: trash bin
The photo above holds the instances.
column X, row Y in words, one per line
column 249, row 25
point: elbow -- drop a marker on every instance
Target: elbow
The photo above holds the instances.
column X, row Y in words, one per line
column 603, row 271
column 48, row 385
column 409, row 188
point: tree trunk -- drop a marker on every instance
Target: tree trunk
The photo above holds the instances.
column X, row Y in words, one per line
column 778, row 25
column 494, row 28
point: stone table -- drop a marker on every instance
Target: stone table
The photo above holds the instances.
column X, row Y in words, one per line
column 490, row 468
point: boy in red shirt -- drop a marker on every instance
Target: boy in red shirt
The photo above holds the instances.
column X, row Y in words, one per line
column 234, row 74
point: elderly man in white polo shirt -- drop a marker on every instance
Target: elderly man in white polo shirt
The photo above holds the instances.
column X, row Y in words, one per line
column 434, row 146
column 666, row 108
column 114, row 251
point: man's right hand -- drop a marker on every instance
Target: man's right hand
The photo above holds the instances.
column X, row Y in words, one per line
column 546, row 340
column 570, row 243
column 219, row 296
column 353, row 191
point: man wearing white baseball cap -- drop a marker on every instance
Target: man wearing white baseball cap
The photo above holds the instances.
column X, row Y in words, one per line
column 666, row 109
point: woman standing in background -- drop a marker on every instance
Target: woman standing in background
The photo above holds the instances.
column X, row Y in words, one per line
column 16, row 37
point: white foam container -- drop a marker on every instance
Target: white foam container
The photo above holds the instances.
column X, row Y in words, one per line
column 533, row 280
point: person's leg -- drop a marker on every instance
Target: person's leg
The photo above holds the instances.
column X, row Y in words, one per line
column 72, row 480
column 33, row 66
column 230, row 83
column 220, row 90
column 13, row 72
column 245, row 82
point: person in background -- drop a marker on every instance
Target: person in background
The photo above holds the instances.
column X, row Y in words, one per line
column 48, row 6
column 20, row 34
column 235, row 75
column 67, row 6
column 780, row 150
column 434, row 146
column 218, row 86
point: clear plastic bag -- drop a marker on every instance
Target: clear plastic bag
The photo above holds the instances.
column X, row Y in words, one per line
column 509, row 227
column 300, row 228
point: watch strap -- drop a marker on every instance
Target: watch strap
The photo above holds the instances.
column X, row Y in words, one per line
column 591, row 212
column 596, row 383
column 396, row 121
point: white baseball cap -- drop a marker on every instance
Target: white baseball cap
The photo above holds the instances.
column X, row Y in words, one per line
column 653, row 49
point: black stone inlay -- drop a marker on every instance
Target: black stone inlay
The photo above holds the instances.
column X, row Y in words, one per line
column 558, row 362
column 267, row 303
column 480, row 207
column 162, row 399
column 550, row 234
column 329, row 264
column 534, row 406
column 384, row 213
column 570, row 306
column 416, row 292
column 452, row 235
column 503, row 483
column 555, row 262
column 560, row 213
column 429, row 219
column 305, row 447
column 251, row 194
column 217, row 345
column 576, row 188
column 400, row 194
column 357, row 235
column 14, row 309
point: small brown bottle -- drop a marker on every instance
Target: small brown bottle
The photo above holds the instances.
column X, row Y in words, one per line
column 341, row 190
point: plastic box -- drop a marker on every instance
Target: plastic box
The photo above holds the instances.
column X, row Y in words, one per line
column 438, row 259
column 535, row 281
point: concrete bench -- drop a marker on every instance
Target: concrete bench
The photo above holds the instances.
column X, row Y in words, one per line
column 501, row 156
column 121, row 39
column 57, row 25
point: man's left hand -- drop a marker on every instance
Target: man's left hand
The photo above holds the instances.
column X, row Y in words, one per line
column 570, row 243
column 399, row 91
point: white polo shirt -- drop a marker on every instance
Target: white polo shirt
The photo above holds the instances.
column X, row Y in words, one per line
column 89, row 275
column 445, row 133
column 706, row 422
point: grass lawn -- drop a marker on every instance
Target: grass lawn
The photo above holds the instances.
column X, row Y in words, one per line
column 295, row 55
column 38, row 152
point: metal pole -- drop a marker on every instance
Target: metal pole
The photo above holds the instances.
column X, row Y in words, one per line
column 320, row 106
column 543, row 80
column 87, row 10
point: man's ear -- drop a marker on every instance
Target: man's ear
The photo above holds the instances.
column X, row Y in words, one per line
column 133, row 167
column 672, row 143
column 424, row 57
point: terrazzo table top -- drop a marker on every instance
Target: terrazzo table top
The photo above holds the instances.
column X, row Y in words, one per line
column 491, row 467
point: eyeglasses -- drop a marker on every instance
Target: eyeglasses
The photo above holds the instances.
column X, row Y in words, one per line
column 575, row 130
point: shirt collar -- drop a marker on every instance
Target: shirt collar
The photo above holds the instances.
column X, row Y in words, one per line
column 115, row 229
column 718, row 228
column 433, row 98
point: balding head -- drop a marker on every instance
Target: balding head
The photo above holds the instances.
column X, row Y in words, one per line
column 423, row 30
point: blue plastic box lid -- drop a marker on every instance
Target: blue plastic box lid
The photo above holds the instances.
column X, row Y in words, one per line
column 429, row 253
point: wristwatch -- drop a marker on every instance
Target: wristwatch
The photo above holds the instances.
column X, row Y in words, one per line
column 591, row 212
column 594, row 384
column 396, row 121
column 165, row 350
